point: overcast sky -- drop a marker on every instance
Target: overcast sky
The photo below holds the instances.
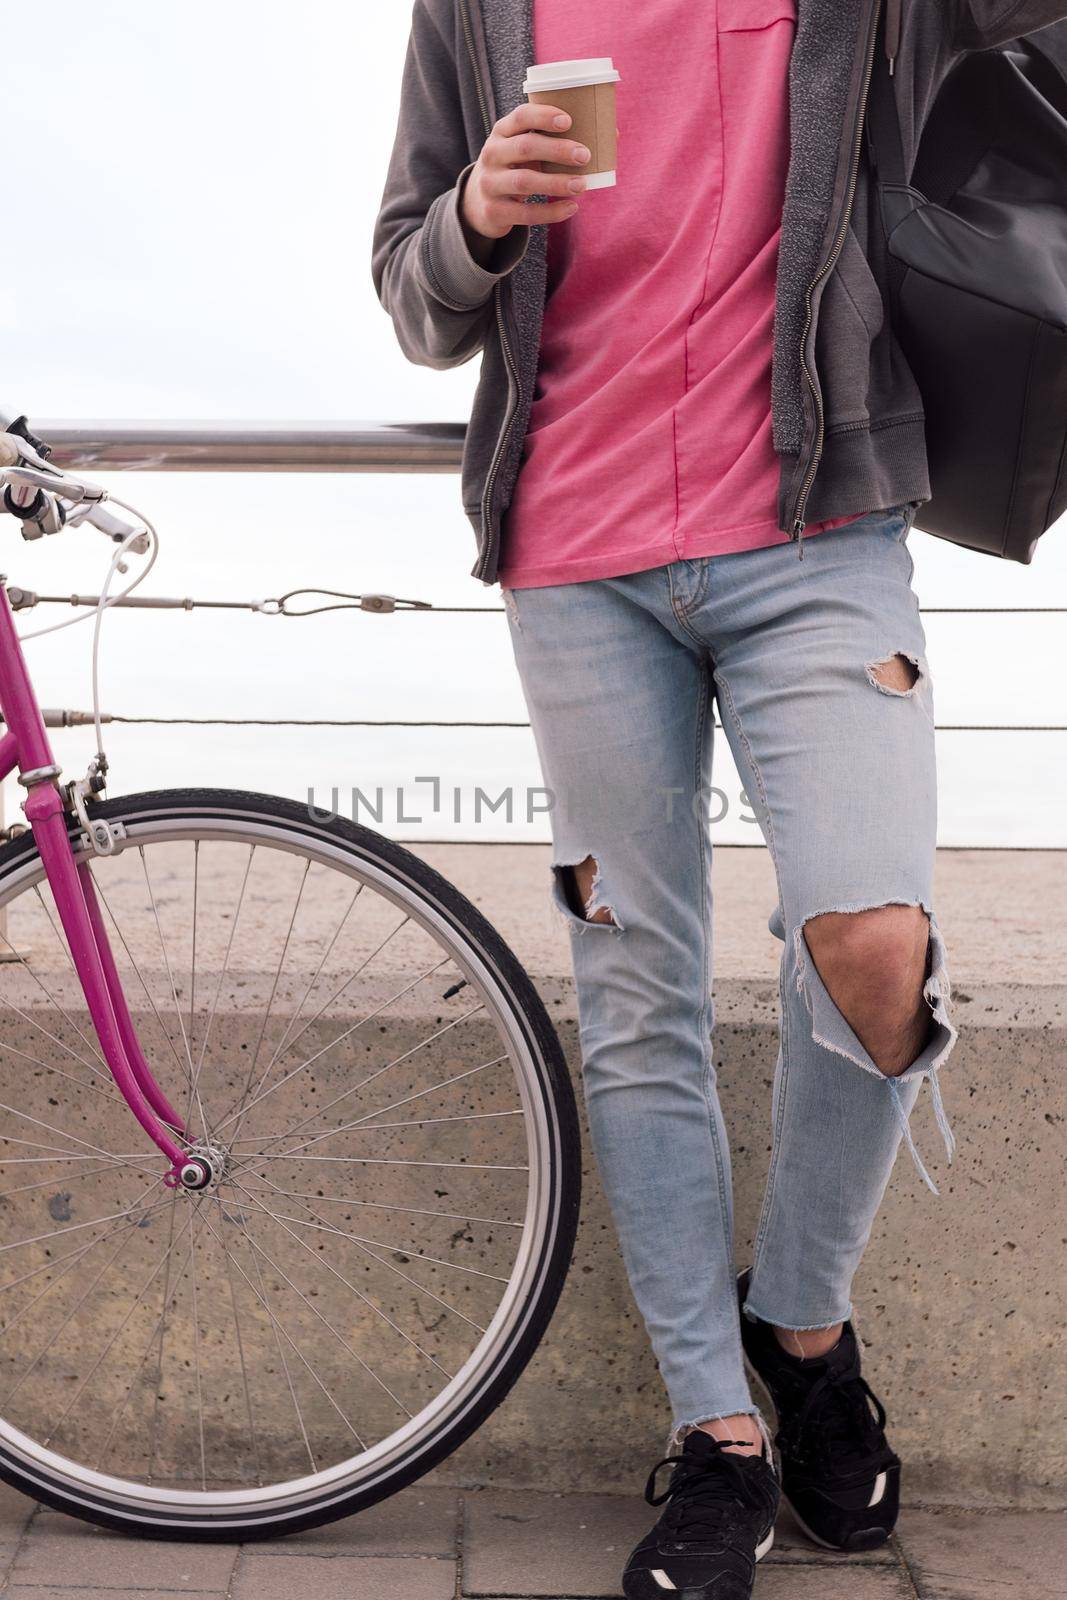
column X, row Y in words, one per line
column 209, row 176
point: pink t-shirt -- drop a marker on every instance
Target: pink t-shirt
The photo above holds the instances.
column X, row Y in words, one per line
column 649, row 437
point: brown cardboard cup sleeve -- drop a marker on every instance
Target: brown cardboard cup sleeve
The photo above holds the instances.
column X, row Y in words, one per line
column 586, row 91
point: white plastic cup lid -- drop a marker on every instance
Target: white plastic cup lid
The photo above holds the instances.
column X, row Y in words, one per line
column 569, row 74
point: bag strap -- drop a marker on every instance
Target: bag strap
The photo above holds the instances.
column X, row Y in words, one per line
column 883, row 121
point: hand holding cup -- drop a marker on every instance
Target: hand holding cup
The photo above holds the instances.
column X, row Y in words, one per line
column 507, row 170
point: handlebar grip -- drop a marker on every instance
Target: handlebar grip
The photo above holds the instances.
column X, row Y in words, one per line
column 113, row 526
column 117, row 529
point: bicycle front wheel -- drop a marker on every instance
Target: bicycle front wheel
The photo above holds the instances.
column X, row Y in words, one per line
column 395, row 1150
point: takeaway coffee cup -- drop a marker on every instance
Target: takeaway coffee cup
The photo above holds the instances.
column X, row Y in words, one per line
column 586, row 91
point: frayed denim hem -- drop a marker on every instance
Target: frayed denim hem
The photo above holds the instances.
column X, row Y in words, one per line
column 680, row 1429
column 777, row 1321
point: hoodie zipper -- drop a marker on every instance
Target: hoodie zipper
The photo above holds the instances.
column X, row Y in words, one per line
column 800, row 505
column 489, row 541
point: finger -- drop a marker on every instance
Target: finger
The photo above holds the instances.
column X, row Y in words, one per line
column 526, row 147
column 514, row 213
column 528, row 180
column 531, row 116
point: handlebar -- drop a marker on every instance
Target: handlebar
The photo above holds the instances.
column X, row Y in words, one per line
column 40, row 495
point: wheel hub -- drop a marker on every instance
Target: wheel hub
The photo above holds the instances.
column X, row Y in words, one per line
column 203, row 1167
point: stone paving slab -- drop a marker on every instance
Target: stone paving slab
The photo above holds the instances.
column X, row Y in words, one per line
column 576, row 1545
column 515, row 1543
column 264, row 1575
column 416, row 1522
column 822, row 1583
column 15, row 1511
column 31, row 1591
column 969, row 1555
column 59, row 1551
column 537, row 1546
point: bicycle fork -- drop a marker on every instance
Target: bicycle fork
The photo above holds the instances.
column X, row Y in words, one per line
column 25, row 746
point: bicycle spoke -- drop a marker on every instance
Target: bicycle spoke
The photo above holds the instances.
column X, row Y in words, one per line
column 170, row 979
column 60, row 1156
column 391, row 1161
column 364, row 1125
column 322, row 1262
column 104, row 1270
column 253, row 1438
column 60, row 936
column 168, row 1257
column 98, row 1363
column 196, row 1353
column 342, row 1341
column 193, row 1096
column 43, row 1066
column 149, row 1342
column 383, row 1205
column 102, row 1070
column 226, row 958
column 338, row 992
column 429, row 1293
column 349, row 1424
column 141, row 980
column 284, row 1040
column 355, row 1238
column 242, row 1107
column 71, row 1259
column 331, row 1046
column 75, row 1227
column 74, row 1177
column 278, row 1329
column 320, row 1111
column 63, row 1134
column 423, row 1122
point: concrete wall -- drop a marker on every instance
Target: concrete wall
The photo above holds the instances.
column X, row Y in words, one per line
column 961, row 1301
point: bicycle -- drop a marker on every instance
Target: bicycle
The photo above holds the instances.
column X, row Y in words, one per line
column 290, row 1173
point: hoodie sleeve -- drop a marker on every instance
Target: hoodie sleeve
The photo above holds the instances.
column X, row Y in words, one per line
column 982, row 24
column 437, row 294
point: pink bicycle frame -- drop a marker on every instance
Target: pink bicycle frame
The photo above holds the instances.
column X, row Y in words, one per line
column 25, row 746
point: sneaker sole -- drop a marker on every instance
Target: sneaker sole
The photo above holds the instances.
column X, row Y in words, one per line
column 661, row 1584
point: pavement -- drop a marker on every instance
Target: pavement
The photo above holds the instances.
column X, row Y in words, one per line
column 443, row 1544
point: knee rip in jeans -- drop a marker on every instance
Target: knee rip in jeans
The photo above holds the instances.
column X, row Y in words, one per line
column 832, row 1030
column 898, row 674
column 580, row 894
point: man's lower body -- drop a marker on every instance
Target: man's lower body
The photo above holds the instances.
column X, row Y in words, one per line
column 818, row 669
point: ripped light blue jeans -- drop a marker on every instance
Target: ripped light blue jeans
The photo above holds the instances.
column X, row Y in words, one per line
column 620, row 676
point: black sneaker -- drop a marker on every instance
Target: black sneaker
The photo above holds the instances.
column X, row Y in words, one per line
column 840, row 1477
column 718, row 1523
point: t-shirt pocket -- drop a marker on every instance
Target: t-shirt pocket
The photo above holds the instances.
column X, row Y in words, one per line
column 743, row 16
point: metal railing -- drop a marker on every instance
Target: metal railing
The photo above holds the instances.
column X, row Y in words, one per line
column 376, row 447
column 256, row 447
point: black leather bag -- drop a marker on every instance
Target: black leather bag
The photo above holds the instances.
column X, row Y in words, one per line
column 977, row 245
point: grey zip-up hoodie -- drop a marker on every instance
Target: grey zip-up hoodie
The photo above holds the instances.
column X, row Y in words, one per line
column 847, row 415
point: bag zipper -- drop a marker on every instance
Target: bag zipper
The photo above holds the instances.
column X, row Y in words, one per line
column 800, row 505
column 489, row 541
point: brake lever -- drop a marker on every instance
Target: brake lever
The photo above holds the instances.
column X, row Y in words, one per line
column 19, row 426
column 67, row 488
